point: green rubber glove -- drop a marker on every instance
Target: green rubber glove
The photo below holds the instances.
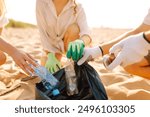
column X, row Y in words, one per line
column 52, row 63
column 75, row 49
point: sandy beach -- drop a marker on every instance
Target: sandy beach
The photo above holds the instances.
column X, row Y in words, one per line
column 119, row 84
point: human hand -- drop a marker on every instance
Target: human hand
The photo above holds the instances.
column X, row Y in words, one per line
column 90, row 53
column 75, row 49
column 52, row 63
column 23, row 60
column 129, row 51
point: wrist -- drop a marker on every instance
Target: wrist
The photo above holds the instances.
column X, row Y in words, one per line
column 82, row 40
column 98, row 51
column 13, row 52
column 102, row 53
column 86, row 39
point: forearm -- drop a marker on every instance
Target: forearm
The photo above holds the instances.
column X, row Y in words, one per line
column 1, row 31
column 106, row 46
column 141, row 28
column 86, row 39
column 6, row 47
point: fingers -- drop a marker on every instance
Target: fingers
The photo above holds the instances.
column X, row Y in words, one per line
column 116, row 48
column 53, row 69
column 30, row 56
column 117, row 61
column 73, row 53
column 24, row 61
column 58, row 66
column 77, row 52
column 81, row 51
column 30, row 60
column 25, row 64
column 83, row 59
column 48, row 68
column 69, row 51
column 25, row 67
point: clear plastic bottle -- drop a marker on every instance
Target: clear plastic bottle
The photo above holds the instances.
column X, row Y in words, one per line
column 71, row 79
column 48, row 80
column 108, row 59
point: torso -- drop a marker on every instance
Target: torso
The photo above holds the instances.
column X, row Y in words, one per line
column 59, row 6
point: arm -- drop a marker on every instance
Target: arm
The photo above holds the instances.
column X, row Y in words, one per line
column 84, row 29
column 104, row 48
column 142, row 28
column 6, row 47
column 21, row 59
column 145, row 26
column 49, row 59
column 76, row 48
column 130, row 50
column 86, row 39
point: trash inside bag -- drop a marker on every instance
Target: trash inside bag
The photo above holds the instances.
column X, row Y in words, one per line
column 84, row 84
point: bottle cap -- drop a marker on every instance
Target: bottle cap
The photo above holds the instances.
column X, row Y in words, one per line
column 55, row 92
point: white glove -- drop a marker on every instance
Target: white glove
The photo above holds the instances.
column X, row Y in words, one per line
column 90, row 53
column 128, row 51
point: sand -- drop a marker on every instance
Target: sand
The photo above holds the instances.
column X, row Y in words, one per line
column 119, row 84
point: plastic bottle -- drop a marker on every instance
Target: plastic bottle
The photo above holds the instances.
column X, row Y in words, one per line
column 108, row 59
column 71, row 79
column 48, row 80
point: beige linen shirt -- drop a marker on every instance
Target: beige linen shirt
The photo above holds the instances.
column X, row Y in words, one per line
column 52, row 27
column 147, row 18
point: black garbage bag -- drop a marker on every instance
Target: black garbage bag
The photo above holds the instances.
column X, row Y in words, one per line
column 89, row 86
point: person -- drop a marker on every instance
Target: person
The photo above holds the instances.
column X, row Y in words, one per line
column 131, row 50
column 63, row 29
column 21, row 58
column 134, row 52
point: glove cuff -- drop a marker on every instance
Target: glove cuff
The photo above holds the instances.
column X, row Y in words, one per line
column 145, row 42
column 98, row 51
column 102, row 52
column 144, row 36
column 51, row 55
column 82, row 41
column 142, row 45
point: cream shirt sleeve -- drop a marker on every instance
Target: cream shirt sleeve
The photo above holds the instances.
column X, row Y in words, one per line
column 41, row 23
column 147, row 18
column 40, row 20
column 82, row 22
column 3, row 21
